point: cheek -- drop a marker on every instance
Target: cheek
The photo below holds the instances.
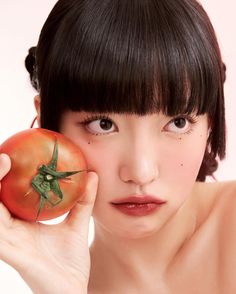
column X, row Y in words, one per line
column 181, row 167
column 101, row 159
column 190, row 160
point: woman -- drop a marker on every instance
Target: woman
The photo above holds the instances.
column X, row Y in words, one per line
column 138, row 85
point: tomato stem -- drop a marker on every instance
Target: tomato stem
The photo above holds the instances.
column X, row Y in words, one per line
column 47, row 181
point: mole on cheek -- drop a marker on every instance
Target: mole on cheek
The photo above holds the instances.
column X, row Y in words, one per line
column 182, row 164
column 89, row 143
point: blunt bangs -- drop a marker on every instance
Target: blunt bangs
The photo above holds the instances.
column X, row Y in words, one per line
column 136, row 57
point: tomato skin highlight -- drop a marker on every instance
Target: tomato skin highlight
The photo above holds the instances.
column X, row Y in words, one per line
column 28, row 150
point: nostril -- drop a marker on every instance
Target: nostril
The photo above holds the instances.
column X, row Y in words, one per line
column 137, row 176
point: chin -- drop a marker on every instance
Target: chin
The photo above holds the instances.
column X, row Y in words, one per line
column 140, row 231
column 131, row 228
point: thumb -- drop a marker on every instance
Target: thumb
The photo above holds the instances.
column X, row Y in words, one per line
column 5, row 165
column 79, row 216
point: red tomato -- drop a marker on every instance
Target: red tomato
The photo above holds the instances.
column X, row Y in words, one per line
column 47, row 177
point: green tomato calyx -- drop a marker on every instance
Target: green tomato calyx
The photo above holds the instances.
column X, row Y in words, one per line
column 47, row 181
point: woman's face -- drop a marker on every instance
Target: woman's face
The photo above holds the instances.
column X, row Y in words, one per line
column 138, row 155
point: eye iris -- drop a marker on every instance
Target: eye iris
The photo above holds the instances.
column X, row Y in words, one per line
column 180, row 122
column 105, row 124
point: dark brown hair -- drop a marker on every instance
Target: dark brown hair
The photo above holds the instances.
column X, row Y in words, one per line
column 136, row 56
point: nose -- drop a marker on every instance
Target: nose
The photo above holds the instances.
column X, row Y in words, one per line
column 139, row 164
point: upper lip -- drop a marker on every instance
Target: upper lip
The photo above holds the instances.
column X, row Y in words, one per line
column 139, row 199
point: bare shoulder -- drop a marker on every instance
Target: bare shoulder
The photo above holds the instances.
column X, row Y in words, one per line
column 222, row 198
column 225, row 201
column 218, row 216
column 220, row 195
column 226, row 205
column 225, row 216
column 217, row 206
column 216, row 200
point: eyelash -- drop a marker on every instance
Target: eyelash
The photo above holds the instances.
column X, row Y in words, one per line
column 192, row 120
column 90, row 118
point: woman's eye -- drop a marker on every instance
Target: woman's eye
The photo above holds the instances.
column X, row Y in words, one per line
column 99, row 126
column 180, row 125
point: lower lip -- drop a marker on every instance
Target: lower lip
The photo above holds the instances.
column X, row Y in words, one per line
column 137, row 209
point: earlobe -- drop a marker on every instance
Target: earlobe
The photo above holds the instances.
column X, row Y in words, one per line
column 37, row 101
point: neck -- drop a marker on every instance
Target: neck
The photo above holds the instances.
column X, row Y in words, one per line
column 141, row 260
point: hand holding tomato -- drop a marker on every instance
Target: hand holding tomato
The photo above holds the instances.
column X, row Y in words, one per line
column 48, row 174
column 50, row 258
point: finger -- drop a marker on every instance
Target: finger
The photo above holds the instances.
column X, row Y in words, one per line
column 5, row 216
column 5, row 165
column 79, row 215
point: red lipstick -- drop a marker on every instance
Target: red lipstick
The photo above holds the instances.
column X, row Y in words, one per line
column 138, row 205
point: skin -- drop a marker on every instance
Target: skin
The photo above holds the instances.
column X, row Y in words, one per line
column 143, row 155
column 188, row 246
column 61, row 250
column 151, row 155
column 139, row 157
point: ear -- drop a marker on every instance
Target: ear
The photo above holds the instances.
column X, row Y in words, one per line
column 37, row 101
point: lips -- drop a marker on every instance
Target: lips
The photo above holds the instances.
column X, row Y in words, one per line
column 138, row 199
column 138, row 205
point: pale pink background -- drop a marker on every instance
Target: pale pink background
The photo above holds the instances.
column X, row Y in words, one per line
column 20, row 23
